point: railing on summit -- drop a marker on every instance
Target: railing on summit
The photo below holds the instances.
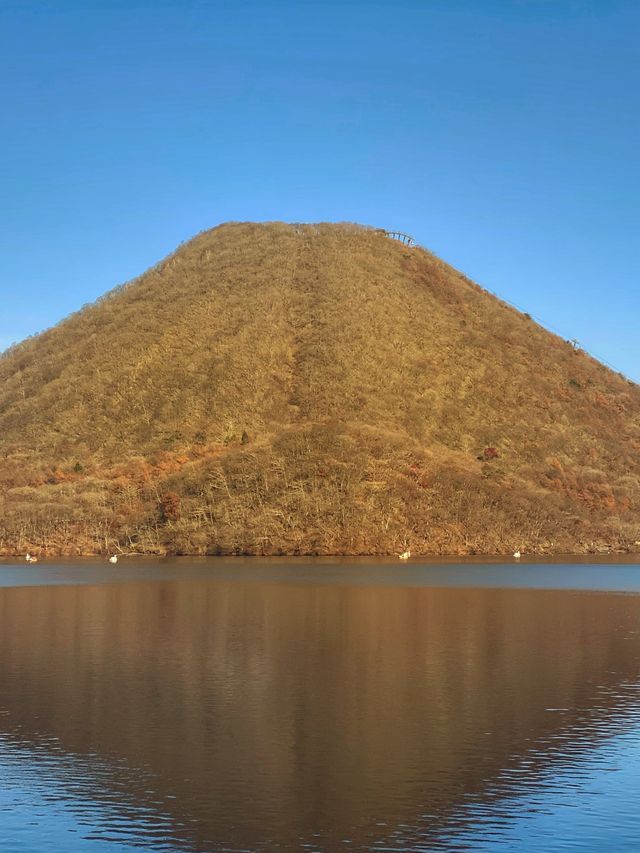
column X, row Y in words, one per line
column 407, row 239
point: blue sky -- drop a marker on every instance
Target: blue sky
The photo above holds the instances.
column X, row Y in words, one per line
column 502, row 134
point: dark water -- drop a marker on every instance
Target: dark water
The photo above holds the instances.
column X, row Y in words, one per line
column 250, row 706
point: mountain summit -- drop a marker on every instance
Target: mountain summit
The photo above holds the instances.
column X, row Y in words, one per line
column 301, row 389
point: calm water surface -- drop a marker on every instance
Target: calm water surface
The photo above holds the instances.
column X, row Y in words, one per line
column 327, row 706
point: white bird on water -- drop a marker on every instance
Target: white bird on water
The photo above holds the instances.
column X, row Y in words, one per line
column 113, row 558
column 516, row 554
column 31, row 559
column 405, row 555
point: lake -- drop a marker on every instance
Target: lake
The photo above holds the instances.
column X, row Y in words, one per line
column 319, row 705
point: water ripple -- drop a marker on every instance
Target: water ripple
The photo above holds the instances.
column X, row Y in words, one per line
column 213, row 716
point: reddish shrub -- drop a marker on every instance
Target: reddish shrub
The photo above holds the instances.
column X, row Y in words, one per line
column 489, row 453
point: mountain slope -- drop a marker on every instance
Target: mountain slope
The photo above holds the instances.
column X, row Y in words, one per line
column 311, row 388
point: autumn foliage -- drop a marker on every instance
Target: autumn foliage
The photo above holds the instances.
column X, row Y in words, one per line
column 307, row 389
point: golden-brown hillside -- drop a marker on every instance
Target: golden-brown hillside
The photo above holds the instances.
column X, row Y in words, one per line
column 311, row 389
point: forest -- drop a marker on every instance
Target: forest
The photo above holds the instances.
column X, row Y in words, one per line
column 312, row 389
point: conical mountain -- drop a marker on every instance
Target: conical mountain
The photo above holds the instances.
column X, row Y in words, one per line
column 311, row 389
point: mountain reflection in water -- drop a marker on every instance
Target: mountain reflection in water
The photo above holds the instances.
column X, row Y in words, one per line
column 221, row 715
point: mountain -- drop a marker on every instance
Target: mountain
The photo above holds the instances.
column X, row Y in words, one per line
column 300, row 389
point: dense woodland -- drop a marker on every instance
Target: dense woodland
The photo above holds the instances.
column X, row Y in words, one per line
column 311, row 389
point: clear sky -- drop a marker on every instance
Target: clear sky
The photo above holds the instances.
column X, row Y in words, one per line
column 503, row 134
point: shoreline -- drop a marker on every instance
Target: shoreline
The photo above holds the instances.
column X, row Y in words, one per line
column 629, row 557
